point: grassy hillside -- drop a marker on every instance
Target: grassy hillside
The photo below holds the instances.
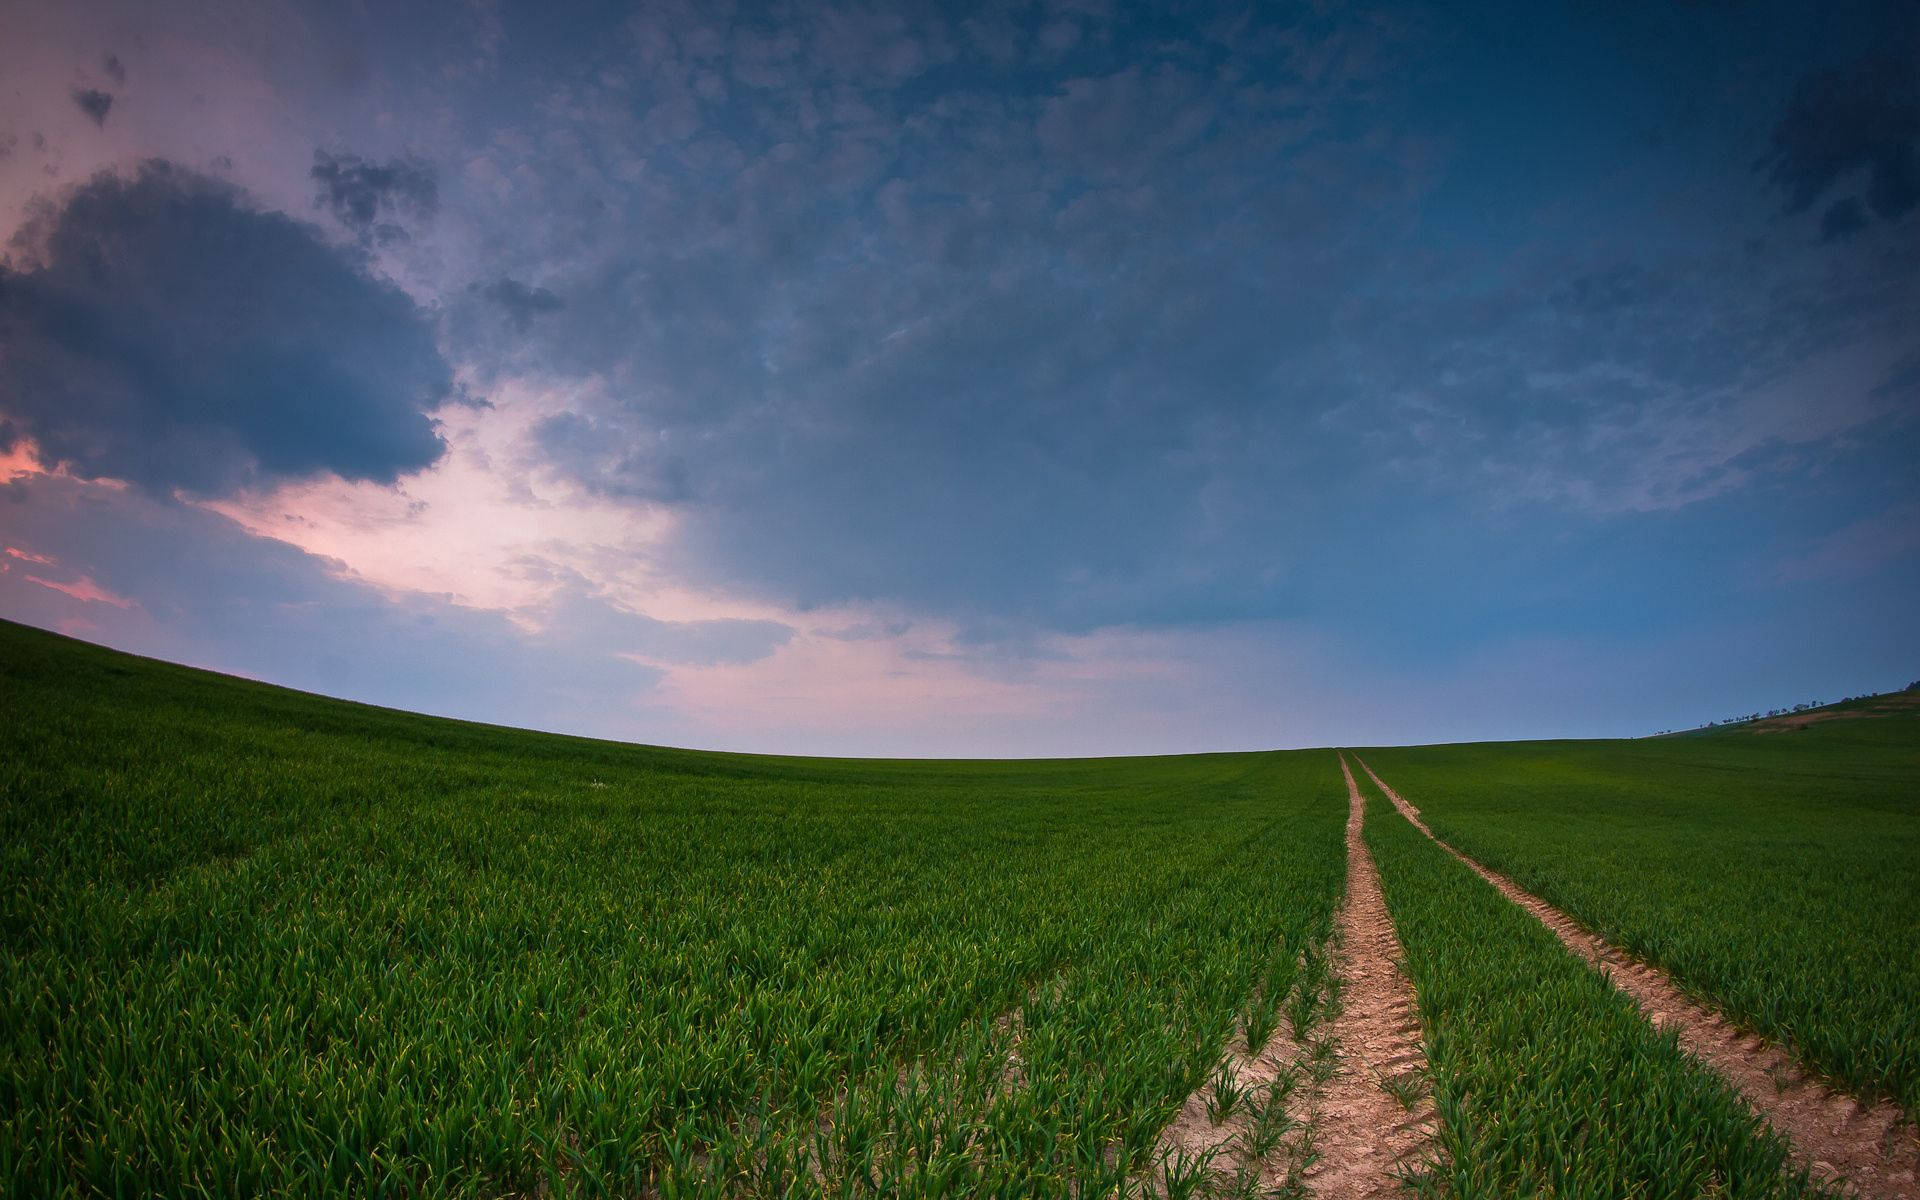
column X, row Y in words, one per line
column 1773, row 869
column 253, row 940
column 1901, row 704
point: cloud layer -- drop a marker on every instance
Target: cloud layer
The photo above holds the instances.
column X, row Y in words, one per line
column 1076, row 376
column 373, row 199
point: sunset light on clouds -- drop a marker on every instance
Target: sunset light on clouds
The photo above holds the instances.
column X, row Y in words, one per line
column 966, row 380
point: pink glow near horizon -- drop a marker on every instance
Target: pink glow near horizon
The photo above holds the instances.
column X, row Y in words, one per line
column 485, row 532
column 917, row 680
column 475, row 527
column 467, row 531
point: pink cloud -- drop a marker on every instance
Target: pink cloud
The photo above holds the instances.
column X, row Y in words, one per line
column 29, row 556
column 482, row 527
column 20, row 460
column 85, row 590
column 23, row 461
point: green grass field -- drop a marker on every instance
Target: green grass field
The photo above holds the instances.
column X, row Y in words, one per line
column 254, row 941
column 260, row 941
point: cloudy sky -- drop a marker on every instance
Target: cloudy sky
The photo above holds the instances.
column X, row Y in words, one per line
column 981, row 379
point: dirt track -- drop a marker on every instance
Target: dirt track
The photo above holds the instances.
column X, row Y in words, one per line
column 1365, row 1136
column 1870, row 1145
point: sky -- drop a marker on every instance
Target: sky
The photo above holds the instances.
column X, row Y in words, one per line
column 983, row 379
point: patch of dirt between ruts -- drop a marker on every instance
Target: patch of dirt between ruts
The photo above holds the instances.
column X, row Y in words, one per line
column 1225, row 1152
column 1872, row 1147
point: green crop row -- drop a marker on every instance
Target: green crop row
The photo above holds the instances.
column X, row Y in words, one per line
column 253, row 941
column 1775, row 874
column 1547, row 1079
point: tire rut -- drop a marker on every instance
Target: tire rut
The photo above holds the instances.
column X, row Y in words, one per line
column 1367, row 1138
column 1871, row 1147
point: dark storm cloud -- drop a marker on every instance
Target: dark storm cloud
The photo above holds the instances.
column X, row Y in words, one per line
column 115, row 71
column 372, row 198
column 160, row 329
column 610, row 459
column 1842, row 123
column 95, row 103
column 520, row 302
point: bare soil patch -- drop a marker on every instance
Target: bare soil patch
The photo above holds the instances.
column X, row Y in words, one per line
column 1871, row 1146
column 1366, row 1137
column 1253, row 1148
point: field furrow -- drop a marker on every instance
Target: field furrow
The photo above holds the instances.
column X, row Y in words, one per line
column 1548, row 1081
column 1774, row 875
column 1869, row 1146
